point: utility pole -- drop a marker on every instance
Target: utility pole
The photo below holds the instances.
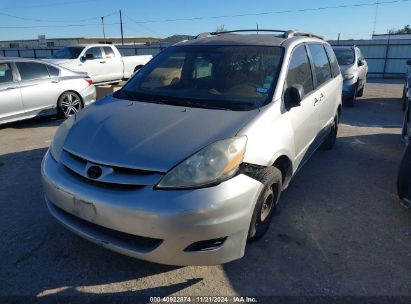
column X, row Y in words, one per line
column 121, row 28
column 104, row 32
column 257, row 28
column 375, row 16
column 338, row 39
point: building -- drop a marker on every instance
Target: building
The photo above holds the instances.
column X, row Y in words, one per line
column 391, row 36
column 60, row 42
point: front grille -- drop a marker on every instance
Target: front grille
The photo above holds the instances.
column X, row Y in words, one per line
column 120, row 238
column 113, row 176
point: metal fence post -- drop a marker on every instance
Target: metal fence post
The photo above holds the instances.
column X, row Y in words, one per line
column 386, row 56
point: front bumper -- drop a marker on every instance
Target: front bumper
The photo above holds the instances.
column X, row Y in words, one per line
column 176, row 218
column 89, row 95
column 349, row 88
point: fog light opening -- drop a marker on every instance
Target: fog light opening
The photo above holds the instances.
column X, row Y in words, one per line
column 206, row 245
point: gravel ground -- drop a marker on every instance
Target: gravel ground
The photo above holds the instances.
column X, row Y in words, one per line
column 340, row 229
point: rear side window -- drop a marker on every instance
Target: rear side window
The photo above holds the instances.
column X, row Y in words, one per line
column 95, row 51
column 6, row 74
column 322, row 69
column 109, row 52
column 54, row 72
column 32, row 70
column 335, row 67
column 299, row 70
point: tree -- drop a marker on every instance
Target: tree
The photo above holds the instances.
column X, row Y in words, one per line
column 221, row 28
column 405, row 30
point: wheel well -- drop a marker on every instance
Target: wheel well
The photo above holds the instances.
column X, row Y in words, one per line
column 339, row 112
column 283, row 163
column 138, row 67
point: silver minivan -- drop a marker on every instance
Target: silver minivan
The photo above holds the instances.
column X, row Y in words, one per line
column 186, row 163
column 354, row 69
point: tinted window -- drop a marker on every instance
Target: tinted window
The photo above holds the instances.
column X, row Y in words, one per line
column 54, row 72
column 32, row 70
column 6, row 74
column 109, row 52
column 229, row 77
column 299, row 70
column 345, row 56
column 335, row 68
column 322, row 68
column 95, row 51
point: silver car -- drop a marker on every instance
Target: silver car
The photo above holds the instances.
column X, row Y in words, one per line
column 31, row 87
column 354, row 69
column 186, row 163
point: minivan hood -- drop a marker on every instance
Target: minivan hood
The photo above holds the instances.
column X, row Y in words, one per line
column 148, row 136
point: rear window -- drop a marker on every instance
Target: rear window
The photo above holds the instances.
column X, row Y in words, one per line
column 322, row 69
column 6, row 74
column 109, row 52
column 32, row 70
column 53, row 71
column 335, row 68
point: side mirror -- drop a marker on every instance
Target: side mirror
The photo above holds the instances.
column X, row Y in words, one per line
column 408, row 62
column 294, row 95
column 361, row 62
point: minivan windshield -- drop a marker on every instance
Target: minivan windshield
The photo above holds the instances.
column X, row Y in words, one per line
column 70, row 52
column 208, row 76
column 344, row 56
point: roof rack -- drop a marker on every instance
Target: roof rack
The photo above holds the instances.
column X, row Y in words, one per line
column 285, row 33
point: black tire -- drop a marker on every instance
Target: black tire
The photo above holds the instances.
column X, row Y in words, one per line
column 349, row 101
column 404, row 174
column 329, row 142
column 360, row 92
column 267, row 202
column 69, row 103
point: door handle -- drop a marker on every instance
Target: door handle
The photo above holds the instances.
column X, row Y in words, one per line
column 102, row 62
column 55, row 81
column 11, row 88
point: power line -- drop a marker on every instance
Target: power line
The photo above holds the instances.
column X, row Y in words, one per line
column 142, row 26
column 43, row 20
column 224, row 16
column 56, row 3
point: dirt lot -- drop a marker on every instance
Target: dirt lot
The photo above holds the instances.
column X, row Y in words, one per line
column 340, row 229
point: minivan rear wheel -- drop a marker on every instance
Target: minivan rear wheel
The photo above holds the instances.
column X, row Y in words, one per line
column 266, row 205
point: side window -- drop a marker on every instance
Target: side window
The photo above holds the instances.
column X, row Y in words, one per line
column 322, row 69
column 54, row 72
column 95, row 52
column 6, row 73
column 299, row 70
column 32, row 70
column 335, row 67
column 109, row 52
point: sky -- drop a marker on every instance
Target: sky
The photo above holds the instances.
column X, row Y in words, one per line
column 27, row 19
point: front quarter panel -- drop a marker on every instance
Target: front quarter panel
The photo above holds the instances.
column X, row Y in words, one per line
column 269, row 135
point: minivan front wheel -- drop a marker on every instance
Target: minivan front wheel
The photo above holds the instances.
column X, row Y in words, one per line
column 267, row 202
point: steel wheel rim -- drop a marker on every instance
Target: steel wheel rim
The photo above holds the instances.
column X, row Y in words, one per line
column 268, row 205
column 70, row 104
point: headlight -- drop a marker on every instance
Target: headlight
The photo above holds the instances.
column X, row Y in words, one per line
column 214, row 163
column 348, row 76
column 58, row 141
